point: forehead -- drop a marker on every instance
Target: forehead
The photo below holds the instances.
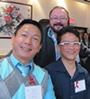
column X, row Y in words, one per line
column 30, row 27
column 59, row 12
column 69, row 36
column 85, row 34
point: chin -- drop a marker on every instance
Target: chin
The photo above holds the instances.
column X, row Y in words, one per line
column 71, row 58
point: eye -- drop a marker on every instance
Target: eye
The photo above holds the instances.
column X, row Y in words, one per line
column 76, row 43
column 66, row 43
column 24, row 35
column 55, row 18
column 36, row 38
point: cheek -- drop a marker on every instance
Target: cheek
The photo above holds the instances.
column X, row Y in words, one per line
column 65, row 23
column 79, row 49
column 62, row 49
column 18, row 42
column 51, row 23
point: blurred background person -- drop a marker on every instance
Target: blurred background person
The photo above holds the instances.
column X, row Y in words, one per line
column 85, row 39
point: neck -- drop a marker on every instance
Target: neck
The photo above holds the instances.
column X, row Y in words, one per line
column 55, row 34
column 70, row 66
column 22, row 60
column 25, row 62
column 86, row 39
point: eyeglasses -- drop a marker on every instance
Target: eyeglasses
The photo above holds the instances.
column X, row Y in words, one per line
column 70, row 43
column 59, row 18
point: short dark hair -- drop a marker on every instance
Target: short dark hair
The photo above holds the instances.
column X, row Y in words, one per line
column 66, row 29
column 60, row 8
column 29, row 21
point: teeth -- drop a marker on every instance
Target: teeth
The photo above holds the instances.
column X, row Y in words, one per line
column 71, row 52
column 26, row 49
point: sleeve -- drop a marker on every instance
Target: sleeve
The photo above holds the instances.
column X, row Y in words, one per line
column 50, row 91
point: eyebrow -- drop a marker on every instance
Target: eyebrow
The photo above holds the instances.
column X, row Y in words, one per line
column 25, row 31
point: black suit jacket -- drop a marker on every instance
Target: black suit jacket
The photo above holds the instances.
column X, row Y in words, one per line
column 47, row 52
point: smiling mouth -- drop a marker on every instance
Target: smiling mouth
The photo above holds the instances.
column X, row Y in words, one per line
column 71, row 52
column 26, row 49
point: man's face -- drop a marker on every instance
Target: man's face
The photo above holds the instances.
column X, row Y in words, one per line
column 58, row 19
column 69, row 52
column 85, row 36
column 26, row 44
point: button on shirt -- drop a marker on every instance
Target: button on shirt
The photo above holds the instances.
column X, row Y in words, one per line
column 23, row 69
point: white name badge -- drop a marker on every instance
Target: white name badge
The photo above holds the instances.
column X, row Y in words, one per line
column 79, row 86
column 33, row 92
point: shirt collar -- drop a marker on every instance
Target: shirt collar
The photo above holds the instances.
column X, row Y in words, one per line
column 60, row 67
column 15, row 61
column 50, row 34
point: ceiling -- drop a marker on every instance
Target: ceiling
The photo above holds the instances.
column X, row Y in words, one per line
column 87, row 0
column 84, row 1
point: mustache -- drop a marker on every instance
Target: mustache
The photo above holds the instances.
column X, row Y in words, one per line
column 58, row 24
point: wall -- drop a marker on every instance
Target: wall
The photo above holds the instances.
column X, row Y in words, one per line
column 79, row 11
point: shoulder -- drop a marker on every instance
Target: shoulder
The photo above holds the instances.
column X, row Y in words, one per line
column 3, row 61
column 53, row 66
column 5, row 68
column 45, row 29
column 50, row 66
column 82, row 69
column 39, row 69
column 40, row 73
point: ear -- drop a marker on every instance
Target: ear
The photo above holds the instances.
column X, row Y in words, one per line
column 13, row 38
column 58, row 47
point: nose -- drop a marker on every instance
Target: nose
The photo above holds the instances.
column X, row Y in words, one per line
column 28, row 40
column 71, row 46
column 58, row 20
